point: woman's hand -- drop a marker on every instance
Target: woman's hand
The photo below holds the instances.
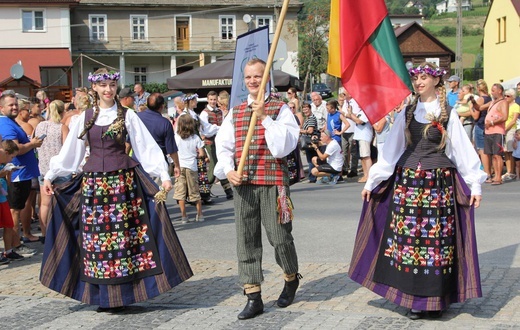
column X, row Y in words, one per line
column 47, row 187
column 475, row 200
column 365, row 195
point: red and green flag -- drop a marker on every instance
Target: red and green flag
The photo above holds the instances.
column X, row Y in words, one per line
column 364, row 53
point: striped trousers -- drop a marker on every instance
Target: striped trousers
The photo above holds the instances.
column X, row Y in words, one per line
column 255, row 205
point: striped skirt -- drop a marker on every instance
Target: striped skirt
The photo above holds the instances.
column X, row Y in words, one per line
column 416, row 243
column 109, row 244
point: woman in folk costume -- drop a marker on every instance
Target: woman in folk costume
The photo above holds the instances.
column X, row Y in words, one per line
column 416, row 242
column 109, row 243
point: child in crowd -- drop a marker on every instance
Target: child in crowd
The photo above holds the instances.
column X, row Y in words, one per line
column 463, row 102
column 190, row 146
column 516, row 153
column 8, row 150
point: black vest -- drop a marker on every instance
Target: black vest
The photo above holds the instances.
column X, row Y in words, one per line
column 424, row 150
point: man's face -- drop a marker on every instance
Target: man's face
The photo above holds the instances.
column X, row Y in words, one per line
column 316, row 99
column 253, row 78
column 496, row 93
column 36, row 108
column 212, row 101
column 138, row 89
column 9, row 107
column 128, row 101
column 24, row 115
column 454, row 84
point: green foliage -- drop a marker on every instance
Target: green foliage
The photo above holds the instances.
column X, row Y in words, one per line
column 312, row 28
column 451, row 31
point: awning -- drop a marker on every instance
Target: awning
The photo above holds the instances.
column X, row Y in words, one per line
column 32, row 60
column 219, row 75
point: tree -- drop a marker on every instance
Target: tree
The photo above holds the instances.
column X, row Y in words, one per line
column 312, row 28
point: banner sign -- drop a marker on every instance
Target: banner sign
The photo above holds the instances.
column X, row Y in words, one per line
column 250, row 45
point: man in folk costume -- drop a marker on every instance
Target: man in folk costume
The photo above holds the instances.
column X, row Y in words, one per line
column 214, row 116
column 261, row 194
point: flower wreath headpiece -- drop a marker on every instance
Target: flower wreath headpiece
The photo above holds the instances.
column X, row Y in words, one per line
column 438, row 72
column 112, row 75
column 187, row 97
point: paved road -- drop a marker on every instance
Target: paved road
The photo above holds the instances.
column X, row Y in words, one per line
column 324, row 230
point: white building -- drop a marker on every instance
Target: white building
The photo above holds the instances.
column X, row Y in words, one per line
column 450, row 6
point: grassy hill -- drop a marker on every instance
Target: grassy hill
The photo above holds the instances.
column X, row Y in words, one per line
column 471, row 21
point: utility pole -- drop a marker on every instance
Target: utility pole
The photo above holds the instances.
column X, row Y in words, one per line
column 459, row 68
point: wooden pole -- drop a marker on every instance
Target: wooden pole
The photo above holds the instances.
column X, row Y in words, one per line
column 261, row 90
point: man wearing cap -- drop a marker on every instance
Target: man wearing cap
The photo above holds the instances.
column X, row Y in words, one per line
column 126, row 97
column 453, row 94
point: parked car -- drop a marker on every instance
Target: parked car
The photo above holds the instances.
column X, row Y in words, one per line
column 323, row 89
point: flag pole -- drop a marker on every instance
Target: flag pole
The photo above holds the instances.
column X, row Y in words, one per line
column 261, row 90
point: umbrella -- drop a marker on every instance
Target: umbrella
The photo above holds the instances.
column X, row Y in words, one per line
column 218, row 75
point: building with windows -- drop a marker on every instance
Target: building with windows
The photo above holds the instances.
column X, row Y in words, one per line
column 35, row 48
column 150, row 41
column 450, row 6
column 501, row 46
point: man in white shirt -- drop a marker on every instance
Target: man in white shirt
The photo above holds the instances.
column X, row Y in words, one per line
column 363, row 134
column 262, row 194
column 330, row 162
column 349, row 146
column 319, row 110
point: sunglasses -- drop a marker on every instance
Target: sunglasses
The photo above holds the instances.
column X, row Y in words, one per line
column 508, row 95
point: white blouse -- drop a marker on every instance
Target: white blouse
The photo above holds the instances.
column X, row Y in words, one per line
column 458, row 149
column 281, row 136
column 146, row 150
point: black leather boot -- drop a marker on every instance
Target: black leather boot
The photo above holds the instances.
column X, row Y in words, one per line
column 229, row 193
column 254, row 306
column 289, row 291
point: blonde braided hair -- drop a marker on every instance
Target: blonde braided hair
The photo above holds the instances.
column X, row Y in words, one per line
column 90, row 123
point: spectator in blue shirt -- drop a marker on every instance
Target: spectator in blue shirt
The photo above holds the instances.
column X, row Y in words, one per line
column 21, row 178
column 453, row 93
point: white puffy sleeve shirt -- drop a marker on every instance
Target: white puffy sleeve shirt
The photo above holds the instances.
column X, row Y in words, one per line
column 281, row 136
column 458, row 149
column 146, row 150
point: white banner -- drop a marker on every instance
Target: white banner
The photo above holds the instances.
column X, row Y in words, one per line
column 253, row 44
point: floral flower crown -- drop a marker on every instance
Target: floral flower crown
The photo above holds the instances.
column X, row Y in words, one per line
column 187, row 98
column 438, row 72
column 96, row 77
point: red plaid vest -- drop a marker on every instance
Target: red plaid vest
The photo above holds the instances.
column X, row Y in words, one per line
column 260, row 167
column 214, row 117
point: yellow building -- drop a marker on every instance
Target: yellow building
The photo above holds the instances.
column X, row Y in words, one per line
column 502, row 43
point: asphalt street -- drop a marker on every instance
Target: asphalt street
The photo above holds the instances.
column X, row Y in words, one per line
column 325, row 224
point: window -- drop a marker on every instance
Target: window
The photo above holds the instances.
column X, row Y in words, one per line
column 265, row 21
column 227, row 27
column 98, row 28
column 501, row 27
column 139, row 26
column 139, row 75
column 32, row 20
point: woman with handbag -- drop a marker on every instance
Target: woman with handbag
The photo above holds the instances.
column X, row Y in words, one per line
column 309, row 128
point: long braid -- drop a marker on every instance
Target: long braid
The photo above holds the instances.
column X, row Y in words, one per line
column 409, row 115
column 90, row 123
column 444, row 117
column 120, row 136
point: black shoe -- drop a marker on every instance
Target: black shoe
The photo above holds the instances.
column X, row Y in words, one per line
column 435, row 314
column 415, row 315
column 289, row 291
column 110, row 309
column 340, row 179
column 207, row 201
column 229, row 193
column 254, row 306
column 352, row 174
